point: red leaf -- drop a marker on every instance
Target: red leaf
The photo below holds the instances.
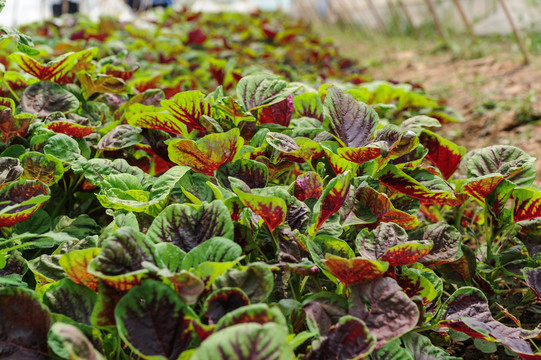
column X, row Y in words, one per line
column 279, row 113
column 443, row 153
column 356, row 270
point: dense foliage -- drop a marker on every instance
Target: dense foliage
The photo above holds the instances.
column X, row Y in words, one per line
column 189, row 188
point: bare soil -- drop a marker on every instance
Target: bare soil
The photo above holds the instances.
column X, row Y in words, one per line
column 485, row 80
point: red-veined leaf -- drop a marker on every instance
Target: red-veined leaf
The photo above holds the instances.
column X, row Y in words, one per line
column 279, row 113
column 272, row 209
column 354, row 270
column 57, row 69
column 75, row 265
column 359, row 155
column 443, row 153
column 207, row 154
column 19, row 200
column 309, row 105
column 481, row 187
column 43, row 167
column 187, row 107
column 13, row 125
column 158, row 121
column 370, row 206
column 467, row 311
column 331, row 200
column 309, row 185
column 527, row 204
column 418, row 183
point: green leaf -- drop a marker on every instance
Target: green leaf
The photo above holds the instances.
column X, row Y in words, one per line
column 63, row 147
column 216, row 249
column 70, row 299
column 122, row 136
column 256, row 281
column 71, row 340
column 308, row 105
column 97, row 170
column 154, row 322
column 261, row 89
column 392, row 351
column 24, row 42
column 188, row 226
column 126, row 192
column 101, row 83
column 170, row 255
column 421, row 347
column 247, row 342
column 511, row 162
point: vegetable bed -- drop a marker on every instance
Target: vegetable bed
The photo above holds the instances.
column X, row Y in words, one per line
column 224, row 186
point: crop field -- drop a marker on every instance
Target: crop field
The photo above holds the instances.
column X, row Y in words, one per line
column 227, row 186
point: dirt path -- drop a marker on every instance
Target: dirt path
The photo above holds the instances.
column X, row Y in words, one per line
column 486, row 82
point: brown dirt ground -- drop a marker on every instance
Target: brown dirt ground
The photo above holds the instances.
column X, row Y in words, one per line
column 484, row 80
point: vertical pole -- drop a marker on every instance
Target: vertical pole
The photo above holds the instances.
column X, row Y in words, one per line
column 348, row 12
column 516, row 31
column 464, row 17
column 359, row 25
column 436, row 19
column 408, row 18
column 394, row 15
column 378, row 18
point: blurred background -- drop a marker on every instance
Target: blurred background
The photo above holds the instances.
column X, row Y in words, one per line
column 482, row 56
column 485, row 16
